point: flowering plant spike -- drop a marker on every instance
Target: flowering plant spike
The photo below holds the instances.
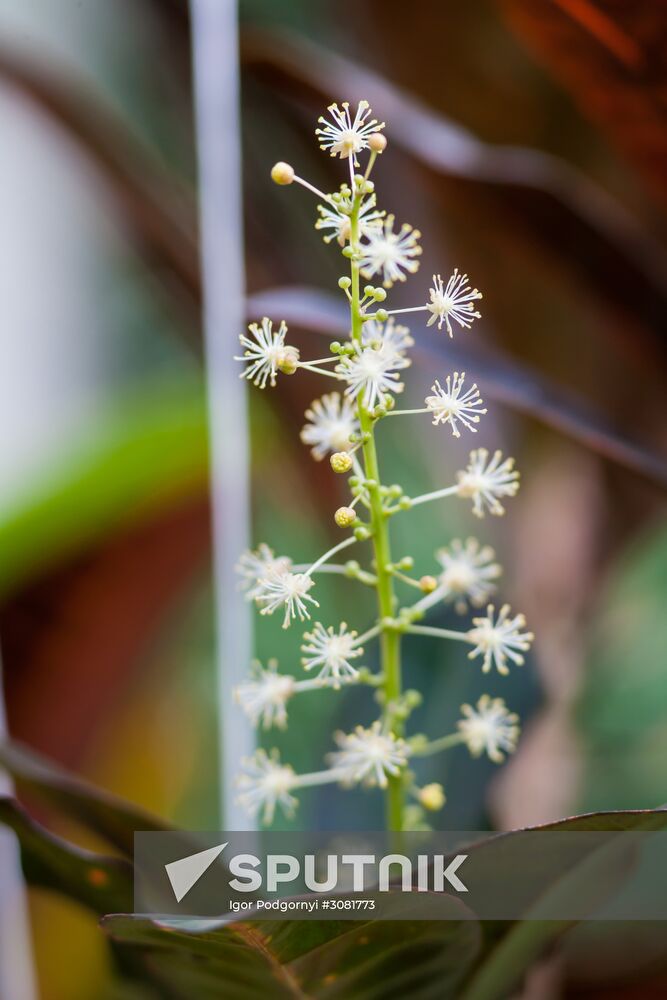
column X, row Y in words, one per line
column 368, row 370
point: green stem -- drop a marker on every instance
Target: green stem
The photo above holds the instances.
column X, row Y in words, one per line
column 330, row 552
column 390, row 648
column 436, row 746
column 438, row 633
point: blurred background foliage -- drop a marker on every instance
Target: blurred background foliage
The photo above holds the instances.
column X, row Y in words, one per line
column 527, row 143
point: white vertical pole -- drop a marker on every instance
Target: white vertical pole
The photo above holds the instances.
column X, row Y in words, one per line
column 216, row 85
column 17, row 981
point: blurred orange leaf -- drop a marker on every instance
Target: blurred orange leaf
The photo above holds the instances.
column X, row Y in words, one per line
column 610, row 55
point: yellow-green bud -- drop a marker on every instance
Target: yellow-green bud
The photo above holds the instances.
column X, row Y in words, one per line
column 341, row 461
column 282, row 173
column 345, row 516
column 382, row 315
column 344, row 282
column 427, row 584
column 412, row 698
column 380, row 294
column 377, row 142
column 432, row 797
column 288, row 361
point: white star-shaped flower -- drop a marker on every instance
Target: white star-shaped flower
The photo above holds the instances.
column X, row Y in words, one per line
column 500, row 640
column 391, row 337
column 288, row 591
column 338, row 220
column 485, row 481
column 373, row 371
column 331, row 421
column 468, row 572
column 266, row 695
column 490, row 728
column 451, row 404
column 369, row 756
column 254, row 567
column 266, row 783
column 346, row 136
column 390, row 254
column 265, row 352
column 331, row 650
column 455, row 301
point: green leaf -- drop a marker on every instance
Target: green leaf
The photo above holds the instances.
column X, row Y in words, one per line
column 101, row 883
column 149, row 451
column 512, row 948
column 394, row 959
column 223, row 962
column 355, row 960
column 99, row 811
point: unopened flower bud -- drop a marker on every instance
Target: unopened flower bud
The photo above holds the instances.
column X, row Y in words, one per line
column 412, row 698
column 377, row 142
column 382, row 315
column 362, row 534
column 341, row 461
column 288, row 361
column 282, row 173
column 427, row 584
column 345, row 516
column 380, row 294
column 432, row 797
column 344, row 282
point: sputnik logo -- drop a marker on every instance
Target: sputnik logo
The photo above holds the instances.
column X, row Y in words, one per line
column 368, row 872
column 186, row 872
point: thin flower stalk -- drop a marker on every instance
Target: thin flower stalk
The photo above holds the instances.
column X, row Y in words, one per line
column 341, row 427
